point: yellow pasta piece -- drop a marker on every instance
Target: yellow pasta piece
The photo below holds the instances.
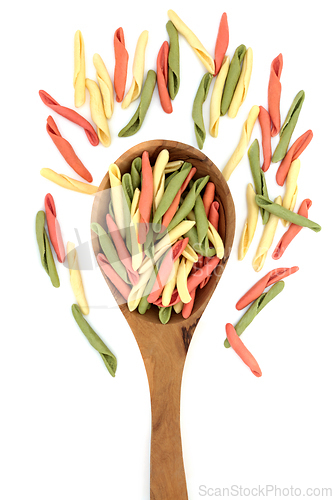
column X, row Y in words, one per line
column 172, row 166
column 266, row 239
column 117, row 198
column 79, row 80
column 97, row 113
column 290, row 197
column 105, row 85
column 76, row 279
column 178, row 307
column 184, row 270
column 190, row 254
column 159, row 177
column 194, row 42
column 137, row 255
column 138, row 70
column 215, row 101
column 137, row 290
column 67, row 182
column 250, row 224
column 170, row 284
column 165, row 243
column 216, row 240
column 243, row 143
column 243, row 84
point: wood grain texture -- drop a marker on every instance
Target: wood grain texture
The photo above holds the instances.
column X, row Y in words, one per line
column 164, row 347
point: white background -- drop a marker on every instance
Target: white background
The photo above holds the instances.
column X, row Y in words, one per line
column 68, row 429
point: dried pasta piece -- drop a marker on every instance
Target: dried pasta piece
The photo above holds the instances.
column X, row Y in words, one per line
column 290, row 196
column 162, row 72
column 137, row 119
column 292, row 231
column 200, row 97
column 208, row 196
column 190, row 254
column 117, row 198
column 66, row 150
column 170, row 285
column 173, row 60
column 67, row 182
column 146, row 197
column 288, row 127
column 79, row 70
column 184, row 270
column 241, row 350
column 97, row 113
column 250, row 224
column 45, row 251
column 138, row 290
column 54, row 227
column 294, row 152
column 274, row 94
column 71, row 115
column 105, row 85
column 242, row 86
column 243, row 143
column 76, row 279
column 265, row 125
column 269, row 279
column 222, row 42
column 169, row 214
column 193, row 41
column 136, row 249
column 172, row 166
column 216, row 240
column 215, row 101
column 159, row 177
column 138, row 70
column 121, row 62
column 258, row 175
column 122, row 287
column 266, row 240
column 232, row 78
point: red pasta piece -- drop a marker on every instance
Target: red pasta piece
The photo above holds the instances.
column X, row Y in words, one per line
column 66, row 150
column 294, row 152
column 168, row 216
column 222, row 42
column 123, row 253
column 146, row 197
column 208, row 196
column 193, row 281
column 257, row 289
column 54, row 228
column 162, row 69
column 265, row 125
column 292, row 231
column 121, row 62
column 122, row 287
column 165, row 270
column 187, row 308
column 213, row 215
column 241, row 350
column 71, row 115
column 274, row 94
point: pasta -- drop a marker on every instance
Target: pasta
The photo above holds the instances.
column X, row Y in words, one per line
column 243, row 143
column 122, row 287
column 97, row 113
column 232, row 78
column 162, row 77
column 184, row 269
column 193, row 41
column 138, row 70
column 117, row 197
column 290, row 196
column 266, row 239
column 54, row 227
column 222, row 42
column 105, row 85
column 121, row 62
column 170, row 285
column 258, row 175
column 79, row 70
column 215, row 101
column 274, row 94
column 241, row 350
column 76, row 279
column 200, row 97
column 242, row 86
column 45, row 251
column 146, row 197
column 294, row 152
column 173, row 60
column 67, row 182
column 250, row 224
column 136, row 249
column 159, row 177
column 265, row 125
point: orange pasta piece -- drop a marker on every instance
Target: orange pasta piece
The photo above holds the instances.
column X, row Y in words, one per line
column 274, row 94
column 208, row 196
column 294, row 152
column 222, row 42
column 162, row 70
column 121, row 62
column 265, row 125
column 241, row 350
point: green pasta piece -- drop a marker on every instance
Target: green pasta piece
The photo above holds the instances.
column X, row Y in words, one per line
column 203, row 249
column 107, row 356
column 149, row 244
column 255, row 308
column 258, row 175
column 173, row 60
column 200, row 219
column 45, row 250
column 128, row 195
column 232, row 78
column 170, row 192
column 144, row 305
column 109, row 251
column 200, row 97
column 146, row 94
column 164, row 314
column 288, row 127
column 188, row 202
column 136, row 168
column 284, row 213
column 169, row 178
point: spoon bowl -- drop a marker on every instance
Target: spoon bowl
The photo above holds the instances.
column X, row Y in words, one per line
column 164, row 347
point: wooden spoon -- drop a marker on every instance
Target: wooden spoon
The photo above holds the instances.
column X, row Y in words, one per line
column 164, row 347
